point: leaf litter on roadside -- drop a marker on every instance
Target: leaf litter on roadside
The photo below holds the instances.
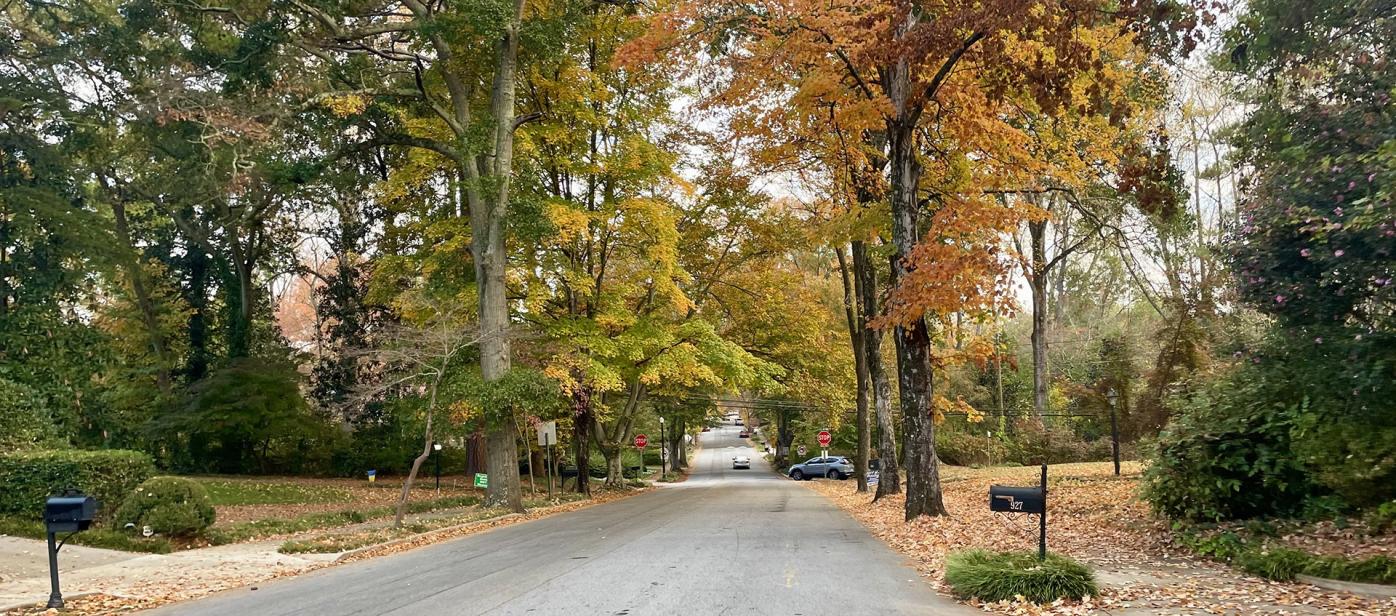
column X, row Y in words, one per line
column 1096, row 518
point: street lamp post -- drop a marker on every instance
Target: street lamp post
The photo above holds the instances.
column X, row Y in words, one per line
column 437, row 448
column 663, row 450
column 1114, row 430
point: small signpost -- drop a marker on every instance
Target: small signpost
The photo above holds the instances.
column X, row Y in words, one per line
column 1008, row 499
column 482, row 480
column 824, row 439
column 547, row 435
column 802, row 450
column 873, row 477
column 641, row 442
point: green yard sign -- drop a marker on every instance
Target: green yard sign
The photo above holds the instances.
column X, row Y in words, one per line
column 482, row 480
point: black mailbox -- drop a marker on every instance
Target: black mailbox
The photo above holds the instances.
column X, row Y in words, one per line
column 69, row 513
column 1016, row 500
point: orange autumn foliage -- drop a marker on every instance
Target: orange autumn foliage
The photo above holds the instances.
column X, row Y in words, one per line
column 806, row 83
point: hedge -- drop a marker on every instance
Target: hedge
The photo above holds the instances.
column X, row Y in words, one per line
column 30, row 477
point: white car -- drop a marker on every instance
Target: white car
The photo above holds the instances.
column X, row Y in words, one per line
column 741, row 462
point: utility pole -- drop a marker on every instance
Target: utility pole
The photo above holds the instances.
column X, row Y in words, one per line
column 663, row 450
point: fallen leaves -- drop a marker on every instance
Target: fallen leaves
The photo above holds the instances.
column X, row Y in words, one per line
column 1094, row 517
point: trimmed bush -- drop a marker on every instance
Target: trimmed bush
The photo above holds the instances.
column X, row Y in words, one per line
column 24, row 418
column 30, row 477
column 170, row 506
column 994, row 576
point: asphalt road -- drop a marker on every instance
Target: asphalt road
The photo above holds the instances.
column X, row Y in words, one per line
column 724, row 542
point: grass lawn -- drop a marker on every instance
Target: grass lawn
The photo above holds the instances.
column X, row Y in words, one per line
column 229, row 491
column 255, row 508
column 340, row 541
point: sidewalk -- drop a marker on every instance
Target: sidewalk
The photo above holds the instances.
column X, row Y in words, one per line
column 22, row 558
column 165, row 577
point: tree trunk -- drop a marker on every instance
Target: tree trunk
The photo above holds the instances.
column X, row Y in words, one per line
column 502, row 462
column 615, row 472
column 501, row 456
column 889, row 472
column 611, row 446
column 856, row 330
column 784, row 437
column 196, row 367
column 143, row 300
column 474, row 454
column 487, row 225
column 417, row 462
column 582, row 420
column 675, row 439
column 923, row 494
column 240, row 326
column 1038, row 281
column 1204, row 286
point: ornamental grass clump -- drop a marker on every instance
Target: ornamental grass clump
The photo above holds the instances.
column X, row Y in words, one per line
column 994, row 576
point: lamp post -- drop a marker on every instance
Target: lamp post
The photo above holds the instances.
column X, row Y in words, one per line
column 1114, row 430
column 437, row 448
column 663, row 450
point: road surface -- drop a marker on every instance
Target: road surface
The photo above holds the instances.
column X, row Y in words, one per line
column 724, row 542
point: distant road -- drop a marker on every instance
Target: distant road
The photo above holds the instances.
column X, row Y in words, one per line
column 724, row 542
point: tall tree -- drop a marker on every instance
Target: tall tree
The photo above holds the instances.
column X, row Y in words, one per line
column 961, row 61
column 459, row 88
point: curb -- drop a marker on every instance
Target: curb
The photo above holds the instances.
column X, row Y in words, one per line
column 1360, row 588
column 4, row 609
column 377, row 546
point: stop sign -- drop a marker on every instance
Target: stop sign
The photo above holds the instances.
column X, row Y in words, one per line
column 641, row 440
column 825, row 438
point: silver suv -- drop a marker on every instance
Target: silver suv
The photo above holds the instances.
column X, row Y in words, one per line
column 833, row 467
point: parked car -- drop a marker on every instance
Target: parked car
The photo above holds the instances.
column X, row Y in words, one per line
column 743, row 434
column 737, row 422
column 833, row 467
column 707, row 429
column 741, row 462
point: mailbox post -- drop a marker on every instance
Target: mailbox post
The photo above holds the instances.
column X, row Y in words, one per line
column 1007, row 499
column 70, row 513
column 1042, row 520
